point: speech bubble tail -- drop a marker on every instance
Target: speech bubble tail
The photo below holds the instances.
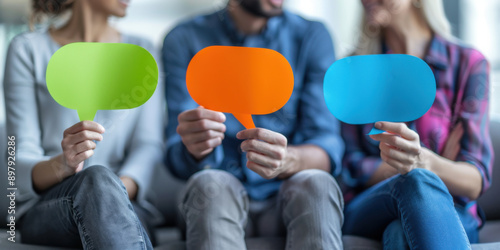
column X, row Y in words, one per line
column 375, row 131
column 246, row 120
column 86, row 115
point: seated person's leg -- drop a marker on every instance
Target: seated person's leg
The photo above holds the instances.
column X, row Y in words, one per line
column 394, row 237
column 312, row 205
column 419, row 199
column 89, row 209
column 215, row 208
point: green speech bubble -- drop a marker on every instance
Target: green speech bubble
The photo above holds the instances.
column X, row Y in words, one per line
column 101, row 76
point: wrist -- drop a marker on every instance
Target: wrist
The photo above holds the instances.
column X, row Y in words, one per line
column 290, row 163
column 60, row 168
column 425, row 159
column 130, row 186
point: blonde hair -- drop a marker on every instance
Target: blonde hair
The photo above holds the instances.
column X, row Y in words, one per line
column 433, row 13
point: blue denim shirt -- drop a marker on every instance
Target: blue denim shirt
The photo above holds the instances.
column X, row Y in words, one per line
column 305, row 119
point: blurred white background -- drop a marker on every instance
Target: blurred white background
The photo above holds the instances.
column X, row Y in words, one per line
column 475, row 22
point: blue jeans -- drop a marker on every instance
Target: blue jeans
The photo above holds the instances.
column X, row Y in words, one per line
column 90, row 209
column 412, row 211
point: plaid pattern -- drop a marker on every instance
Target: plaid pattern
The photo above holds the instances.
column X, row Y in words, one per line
column 462, row 78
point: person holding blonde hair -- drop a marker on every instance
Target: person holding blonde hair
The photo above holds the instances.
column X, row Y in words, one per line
column 62, row 201
column 415, row 186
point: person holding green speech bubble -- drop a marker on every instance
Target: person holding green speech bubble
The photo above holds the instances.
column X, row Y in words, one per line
column 82, row 180
column 415, row 185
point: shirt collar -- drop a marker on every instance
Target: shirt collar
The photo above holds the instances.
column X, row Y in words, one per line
column 437, row 54
column 268, row 32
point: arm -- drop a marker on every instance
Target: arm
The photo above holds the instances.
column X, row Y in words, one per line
column 475, row 154
column 181, row 162
column 35, row 170
column 454, row 173
column 77, row 146
column 400, row 148
column 22, row 114
column 475, row 146
column 317, row 143
column 145, row 148
column 318, row 131
column 450, row 152
column 361, row 167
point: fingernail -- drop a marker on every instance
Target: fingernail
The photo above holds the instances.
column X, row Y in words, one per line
column 238, row 135
column 378, row 125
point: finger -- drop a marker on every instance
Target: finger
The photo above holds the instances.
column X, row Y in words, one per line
column 185, row 128
column 262, row 134
column 81, row 136
column 205, row 145
column 264, row 172
column 83, row 156
column 201, row 113
column 393, row 163
column 397, row 128
column 262, row 147
column 263, row 160
column 79, row 167
column 395, row 154
column 84, row 125
column 84, row 146
column 201, row 136
column 78, row 158
column 396, row 141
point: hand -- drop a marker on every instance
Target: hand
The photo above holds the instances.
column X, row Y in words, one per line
column 400, row 147
column 201, row 130
column 452, row 147
column 266, row 151
column 131, row 187
column 78, row 145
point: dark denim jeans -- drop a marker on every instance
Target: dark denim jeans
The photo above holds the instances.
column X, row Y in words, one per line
column 412, row 211
column 90, row 209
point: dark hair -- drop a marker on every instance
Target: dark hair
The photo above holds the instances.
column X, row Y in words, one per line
column 51, row 8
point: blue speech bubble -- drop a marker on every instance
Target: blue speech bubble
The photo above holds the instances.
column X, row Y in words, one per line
column 372, row 88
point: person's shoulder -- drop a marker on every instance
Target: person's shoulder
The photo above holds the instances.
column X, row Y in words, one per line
column 137, row 40
column 302, row 24
column 194, row 25
column 465, row 51
column 26, row 39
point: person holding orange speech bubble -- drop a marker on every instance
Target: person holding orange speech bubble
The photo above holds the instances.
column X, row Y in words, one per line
column 273, row 178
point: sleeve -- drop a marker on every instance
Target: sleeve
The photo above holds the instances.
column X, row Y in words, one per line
column 176, row 57
column 22, row 114
column 146, row 148
column 359, row 165
column 476, row 146
column 317, row 126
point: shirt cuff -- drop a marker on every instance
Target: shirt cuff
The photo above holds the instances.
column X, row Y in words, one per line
column 183, row 164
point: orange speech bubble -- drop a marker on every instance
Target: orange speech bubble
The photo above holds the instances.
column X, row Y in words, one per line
column 240, row 80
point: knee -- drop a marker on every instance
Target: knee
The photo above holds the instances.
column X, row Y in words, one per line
column 312, row 184
column 422, row 181
column 211, row 183
column 211, row 191
column 98, row 178
column 394, row 236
